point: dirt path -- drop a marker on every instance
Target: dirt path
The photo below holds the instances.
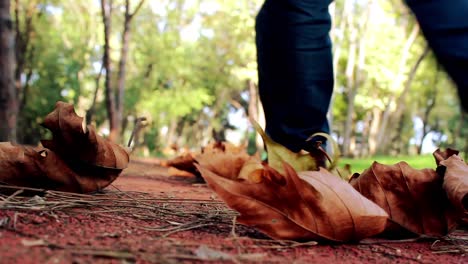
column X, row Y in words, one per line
column 153, row 218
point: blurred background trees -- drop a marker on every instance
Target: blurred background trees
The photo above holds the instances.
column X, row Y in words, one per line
column 189, row 67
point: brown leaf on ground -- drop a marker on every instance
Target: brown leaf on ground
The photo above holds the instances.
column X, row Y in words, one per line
column 186, row 161
column 84, row 179
column 223, row 163
column 223, row 146
column 252, row 170
column 174, row 172
column 414, row 199
column 29, row 167
column 309, row 206
column 75, row 160
column 77, row 144
column 18, row 165
column 183, row 162
column 455, row 175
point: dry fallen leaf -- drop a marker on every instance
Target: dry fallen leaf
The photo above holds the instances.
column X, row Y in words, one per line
column 228, row 164
column 223, row 146
column 414, row 199
column 174, row 172
column 312, row 206
column 455, row 173
column 186, row 161
column 19, row 165
column 78, row 160
column 252, row 170
column 183, row 162
column 44, row 169
column 79, row 145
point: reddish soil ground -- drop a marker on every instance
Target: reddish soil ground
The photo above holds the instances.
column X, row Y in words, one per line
column 147, row 216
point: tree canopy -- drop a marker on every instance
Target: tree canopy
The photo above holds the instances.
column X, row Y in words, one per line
column 189, row 67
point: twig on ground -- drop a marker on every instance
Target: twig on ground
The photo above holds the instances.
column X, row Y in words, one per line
column 450, row 245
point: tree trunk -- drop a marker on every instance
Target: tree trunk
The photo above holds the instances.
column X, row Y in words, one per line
column 364, row 147
column 253, row 113
column 431, row 102
column 354, row 69
column 123, row 62
column 401, row 105
column 8, row 100
column 106, row 9
column 382, row 139
column 373, row 132
column 24, row 54
column 351, row 93
column 92, row 108
column 401, row 100
column 122, row 67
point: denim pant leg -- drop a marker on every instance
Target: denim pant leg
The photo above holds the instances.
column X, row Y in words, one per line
column 445, row 26
column 294, row 68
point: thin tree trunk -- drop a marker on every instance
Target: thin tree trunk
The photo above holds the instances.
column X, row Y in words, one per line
column 401, row 105
column 171, row 132
column 431, row 102
column 92, row 108
column 106, row 9
column 401, row 100
column 374, row 128
column 354, row 75
column 253, row 112
column 350, row 84
column 121, row 75
column 364, row 148
column 398, row 81
column 8, row 100
column 337, row 37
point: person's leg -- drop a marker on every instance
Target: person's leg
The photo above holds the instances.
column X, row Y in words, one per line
column 445, row 26
column 295, row 69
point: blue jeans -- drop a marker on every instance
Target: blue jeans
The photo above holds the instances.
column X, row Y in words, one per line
column 294, row 55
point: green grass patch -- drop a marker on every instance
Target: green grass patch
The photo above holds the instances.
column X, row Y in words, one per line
column 417, row 162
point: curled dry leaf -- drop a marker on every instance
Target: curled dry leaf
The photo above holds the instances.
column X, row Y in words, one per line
column 18, row 164
column 227, row 164
column 414, row 199
column 44, row 169
column 78, row 144
column 183, row 162
column 75, row 160
column 456, row 182
column 309, row 206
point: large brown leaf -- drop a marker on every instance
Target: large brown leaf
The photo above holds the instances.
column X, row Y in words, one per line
column 414, row 199
column 76, row 160
column 309, row 206
column 79, row 145
column 30, row 167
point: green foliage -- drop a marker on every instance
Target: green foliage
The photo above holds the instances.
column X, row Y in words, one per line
column 189, row 62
